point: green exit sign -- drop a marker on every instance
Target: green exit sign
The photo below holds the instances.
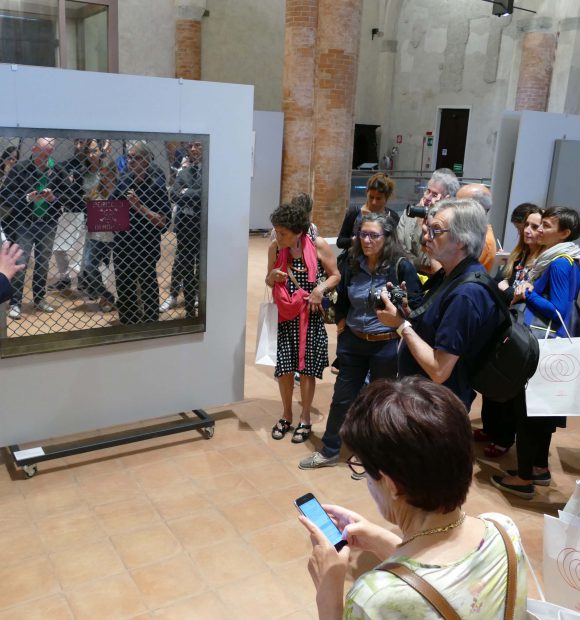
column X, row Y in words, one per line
column 458, row 168
column 430, row 141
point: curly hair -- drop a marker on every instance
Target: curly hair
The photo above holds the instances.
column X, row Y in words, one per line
column 380, row 182
column 291, row 216
column 417, row 432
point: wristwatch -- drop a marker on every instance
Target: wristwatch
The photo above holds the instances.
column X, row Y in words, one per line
column 402, row 327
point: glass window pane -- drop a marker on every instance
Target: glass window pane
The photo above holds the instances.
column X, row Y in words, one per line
column 29, row 32
column 87, row 34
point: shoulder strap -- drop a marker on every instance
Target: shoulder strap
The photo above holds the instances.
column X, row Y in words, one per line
column 424, row 588
column 291, row 276
column 512, row 576
column 399, row 261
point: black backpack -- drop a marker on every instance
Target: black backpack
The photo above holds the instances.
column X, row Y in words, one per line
column 511, row 357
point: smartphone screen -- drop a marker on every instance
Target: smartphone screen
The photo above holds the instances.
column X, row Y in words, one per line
column 312, row 510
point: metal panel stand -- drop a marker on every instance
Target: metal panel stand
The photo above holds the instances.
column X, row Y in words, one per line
column 28, row 458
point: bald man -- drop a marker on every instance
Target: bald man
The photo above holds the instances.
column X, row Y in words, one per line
column 481, row 194
column 33, row 191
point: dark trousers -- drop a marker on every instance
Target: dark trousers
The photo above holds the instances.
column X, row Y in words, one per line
column 533, row 437
column 96, row 253
column 137, row 285
column 356, row 357
column 38, row 235
column 499, row 421
column 184, row 273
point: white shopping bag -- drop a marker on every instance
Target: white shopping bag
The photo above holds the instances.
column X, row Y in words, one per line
column 267, row 341
column 540, row 610
column 554, row 390
column 561, row 557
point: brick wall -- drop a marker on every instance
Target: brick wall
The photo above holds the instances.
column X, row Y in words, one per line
column 188, row 49
column 535, row 79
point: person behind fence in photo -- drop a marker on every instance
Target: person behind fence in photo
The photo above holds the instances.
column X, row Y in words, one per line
column 9, row 157
column 553, row 287
column 411, row 441
column 186, row 197
column 498, row 419
column 69, row 239
column 10, row 254
column 298, row 290
column 35, row 190
column 137, row 251
column 99, row 245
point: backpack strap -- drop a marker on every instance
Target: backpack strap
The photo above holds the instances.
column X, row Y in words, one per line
column 423, row 587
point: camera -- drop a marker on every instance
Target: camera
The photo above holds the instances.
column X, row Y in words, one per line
column 417, row 211
column 396, row 296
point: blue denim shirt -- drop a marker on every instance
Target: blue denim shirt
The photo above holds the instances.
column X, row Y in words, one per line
column 362, row 315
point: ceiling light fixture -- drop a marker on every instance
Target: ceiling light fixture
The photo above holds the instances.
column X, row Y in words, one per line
column 505, row 7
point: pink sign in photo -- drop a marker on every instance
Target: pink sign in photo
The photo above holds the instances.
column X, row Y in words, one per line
column 107, row 215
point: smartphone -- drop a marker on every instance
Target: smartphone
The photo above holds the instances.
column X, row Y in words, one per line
column 310, row 507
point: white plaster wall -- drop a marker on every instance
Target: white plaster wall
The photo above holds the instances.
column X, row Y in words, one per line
column 58, row 393
column 243, row 43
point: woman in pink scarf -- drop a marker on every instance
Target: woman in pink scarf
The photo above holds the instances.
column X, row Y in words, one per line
column 296, row 263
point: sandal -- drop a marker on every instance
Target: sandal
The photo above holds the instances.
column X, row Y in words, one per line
column 479, row 436
column 302, row 433
column 494, row 451
column 281, row 427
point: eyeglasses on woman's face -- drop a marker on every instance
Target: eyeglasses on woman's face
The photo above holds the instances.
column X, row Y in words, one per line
column 355, row 465
column 373, row 236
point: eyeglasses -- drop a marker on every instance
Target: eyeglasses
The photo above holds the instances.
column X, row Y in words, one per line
column 435, row 232
column 355, row 465
column 373, row 236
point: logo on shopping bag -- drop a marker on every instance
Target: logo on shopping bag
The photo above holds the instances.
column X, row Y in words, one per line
column 559, row 368
column 568, row 566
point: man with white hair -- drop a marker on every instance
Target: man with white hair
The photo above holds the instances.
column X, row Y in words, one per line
column 481, row 194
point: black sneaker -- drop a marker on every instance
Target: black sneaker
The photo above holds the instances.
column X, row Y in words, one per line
column 526, row 491
column 62, row 284
column 542, row 480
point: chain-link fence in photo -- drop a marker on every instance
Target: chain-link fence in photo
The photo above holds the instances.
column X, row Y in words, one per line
column 110, row 227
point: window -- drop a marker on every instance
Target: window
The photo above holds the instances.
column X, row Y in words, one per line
column 60, row 33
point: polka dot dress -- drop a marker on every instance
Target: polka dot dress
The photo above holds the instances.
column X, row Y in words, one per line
column 288, row 333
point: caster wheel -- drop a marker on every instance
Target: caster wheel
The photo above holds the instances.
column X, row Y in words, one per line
column 29, row 470
column 208, row 432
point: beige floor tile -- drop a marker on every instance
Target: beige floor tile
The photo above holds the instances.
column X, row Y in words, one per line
column 206, row 606
column 296, row 581
column 262, row 596
column 51, row 608
column 302, row 614
column 96, row 561
column 281, row 543
column 49, row 476
column 206, row 463
column 206, row 528
column 159, row 475
column 284, row 498
column 114, row 598
column 226, row 489
column 227, row 561
column 106, row 488
column 49, row 501
column 19, row 541
column 251, row 514
column 271, row 478
column 126, row 515
column 13, row 508
column 250, row 455
column 71, row 529
column 168, row 581
column 22, row 581
column 97, row 467
column 150, row 544
column 179, row 500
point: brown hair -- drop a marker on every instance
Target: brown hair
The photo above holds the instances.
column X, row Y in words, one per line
column 381, row 183
column 418, row 433
column 521, row 249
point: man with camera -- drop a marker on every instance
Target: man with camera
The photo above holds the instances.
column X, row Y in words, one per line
column 451, row 328
column 442, row 184
column 35, row 189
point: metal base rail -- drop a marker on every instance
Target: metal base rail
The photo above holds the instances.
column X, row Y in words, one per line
column 28, row 458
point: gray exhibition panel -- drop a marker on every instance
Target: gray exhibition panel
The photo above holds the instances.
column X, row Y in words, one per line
column 54, row 394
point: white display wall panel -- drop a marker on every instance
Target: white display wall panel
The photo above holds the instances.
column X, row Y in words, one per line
column 54, row 394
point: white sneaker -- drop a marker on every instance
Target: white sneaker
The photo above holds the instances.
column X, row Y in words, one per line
column 43, row 306
column 168, row 304
column 15, row 312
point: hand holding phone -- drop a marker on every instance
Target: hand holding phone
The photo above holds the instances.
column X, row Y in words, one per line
column 310, row 507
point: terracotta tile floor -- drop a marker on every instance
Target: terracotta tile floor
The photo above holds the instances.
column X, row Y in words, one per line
column 181, row 527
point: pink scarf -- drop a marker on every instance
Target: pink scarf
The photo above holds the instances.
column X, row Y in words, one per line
column 292, row 305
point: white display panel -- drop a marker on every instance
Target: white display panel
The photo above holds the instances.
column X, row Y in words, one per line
column 61, row 393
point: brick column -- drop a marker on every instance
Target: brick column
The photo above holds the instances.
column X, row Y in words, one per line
column 298, row 96
column 188, row 39
column 338, row 36
column 538, row 55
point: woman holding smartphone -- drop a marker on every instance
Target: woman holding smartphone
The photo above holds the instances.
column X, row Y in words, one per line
column 411, row 440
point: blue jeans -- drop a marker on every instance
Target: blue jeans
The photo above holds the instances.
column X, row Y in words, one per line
column 356, row 357
column 38, row 235
column 95, row 253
